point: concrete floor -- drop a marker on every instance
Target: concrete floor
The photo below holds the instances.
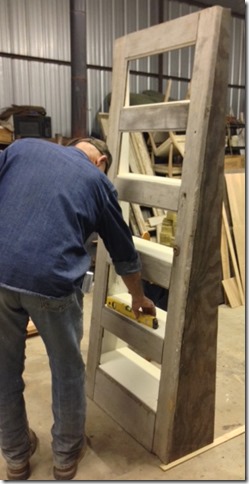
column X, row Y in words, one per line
column 114, row 455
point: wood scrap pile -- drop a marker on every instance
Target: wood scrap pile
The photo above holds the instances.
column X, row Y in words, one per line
column 233, row 239
column 172, row 146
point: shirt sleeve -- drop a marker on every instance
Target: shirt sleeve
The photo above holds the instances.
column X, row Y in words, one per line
column 3, row 155
column 117, row 238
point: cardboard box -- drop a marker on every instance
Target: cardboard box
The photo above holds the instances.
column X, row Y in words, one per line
column 6, row 136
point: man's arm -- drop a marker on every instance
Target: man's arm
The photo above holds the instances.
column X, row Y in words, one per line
column 118, row 241
column 3, row 156
column 140, row 302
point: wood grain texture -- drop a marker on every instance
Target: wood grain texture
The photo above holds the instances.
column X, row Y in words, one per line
column 218, row 441
column 186, row 405
column 235, row 184
column 184, row 418
column 233, row 255
column 156, row 261
column 135, row 418
column 149, row 191
column 231, row 290
column 224, row 253
column 155, row 117
column 96, row 330
column 174, row 34
column 120, row 95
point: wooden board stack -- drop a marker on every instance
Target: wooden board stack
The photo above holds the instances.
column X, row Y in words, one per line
column 233, row 239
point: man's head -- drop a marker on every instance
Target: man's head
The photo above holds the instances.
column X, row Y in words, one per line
column 96, row 150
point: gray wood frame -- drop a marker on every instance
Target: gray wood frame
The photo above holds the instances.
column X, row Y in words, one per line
column 184, row 417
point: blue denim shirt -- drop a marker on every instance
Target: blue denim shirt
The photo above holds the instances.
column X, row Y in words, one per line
column 51, row 199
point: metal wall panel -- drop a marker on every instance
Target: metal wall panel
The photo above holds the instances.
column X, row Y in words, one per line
column 236, row 98
column 41, row 29
column 38, row 28
column 106, row 21
column 6, row 83
column 40, row 84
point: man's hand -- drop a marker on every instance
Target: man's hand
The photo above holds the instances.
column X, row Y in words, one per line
column 143, row 305
column 140, row 303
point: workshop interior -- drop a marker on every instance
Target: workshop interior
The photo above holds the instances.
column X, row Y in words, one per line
column 163, row 83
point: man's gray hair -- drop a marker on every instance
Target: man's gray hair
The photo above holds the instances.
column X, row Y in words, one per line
column 98, row 143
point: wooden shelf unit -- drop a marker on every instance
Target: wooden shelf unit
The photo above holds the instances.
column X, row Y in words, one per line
column 159, row 385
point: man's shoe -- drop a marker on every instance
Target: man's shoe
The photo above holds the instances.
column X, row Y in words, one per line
column 68, row 473
column 22, row 473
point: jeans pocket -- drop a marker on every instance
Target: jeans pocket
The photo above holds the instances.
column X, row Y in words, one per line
column 56, row 305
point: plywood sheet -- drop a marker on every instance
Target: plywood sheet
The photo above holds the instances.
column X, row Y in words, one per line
column 235, row 183
column 232, row 292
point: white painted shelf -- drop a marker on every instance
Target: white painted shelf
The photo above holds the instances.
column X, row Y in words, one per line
column 134, row 373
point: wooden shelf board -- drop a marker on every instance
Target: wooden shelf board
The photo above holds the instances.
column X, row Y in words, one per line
column 137, row 375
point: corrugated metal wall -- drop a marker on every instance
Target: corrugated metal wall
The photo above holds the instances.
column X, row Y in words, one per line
column 123, row 17
column 41, row 29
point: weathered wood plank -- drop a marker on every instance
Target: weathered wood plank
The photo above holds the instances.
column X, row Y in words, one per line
column 152, row 192
column 186, row 404
column 155, row 117
column 99, row 298
column 218, row 441
column 186, row 399
column 127, row 411
column 146, row 340
column 120, row 92
column 156, row 261
column 119, row 95
column 175, row 34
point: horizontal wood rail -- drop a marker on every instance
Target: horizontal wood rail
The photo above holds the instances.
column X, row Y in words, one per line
column 148, row 190
column 155, row 117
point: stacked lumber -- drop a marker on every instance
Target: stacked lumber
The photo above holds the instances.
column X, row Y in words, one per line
column 233, row 239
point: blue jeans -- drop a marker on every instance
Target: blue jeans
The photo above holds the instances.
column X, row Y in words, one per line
column 60, row 325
